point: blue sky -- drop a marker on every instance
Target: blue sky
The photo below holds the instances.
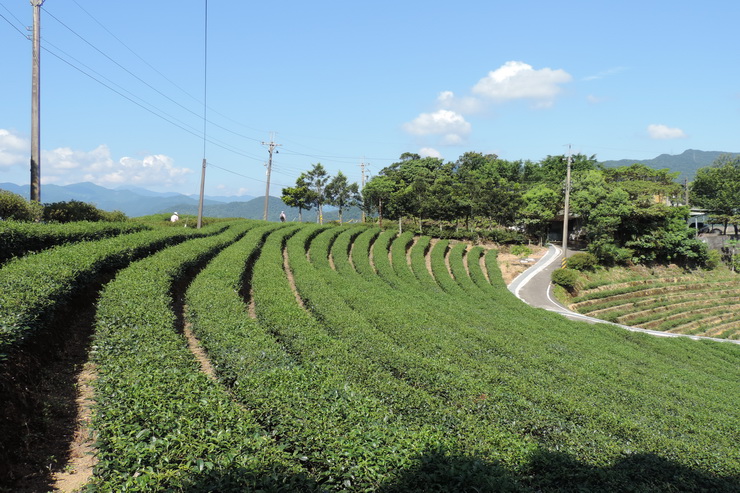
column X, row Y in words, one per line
column 341, row 83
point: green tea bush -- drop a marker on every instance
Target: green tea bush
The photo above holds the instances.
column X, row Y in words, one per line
column 34, row 287
column 21, row 238
column 162, row 424
column 567, row 278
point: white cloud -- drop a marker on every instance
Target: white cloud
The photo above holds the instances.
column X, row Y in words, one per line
column 663, row 132
column 594, row 99
column 518, row 80
column 14, row 150
column 65, row 165
column 430, row 152
column 156, row 169
column 448, row 101
column 450, row 125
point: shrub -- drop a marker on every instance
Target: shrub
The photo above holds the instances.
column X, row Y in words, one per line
column 13, row 206
column 583, row 262
column 520, row 251
column 567, row 278
column 74, row 210
column 610, row 254
column 714, row 258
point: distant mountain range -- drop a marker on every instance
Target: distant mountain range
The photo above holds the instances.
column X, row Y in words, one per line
column 133, row 201
column 687, row 162
column 136, row 201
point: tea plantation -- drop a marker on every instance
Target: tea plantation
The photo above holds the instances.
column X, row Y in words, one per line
column 347, row 358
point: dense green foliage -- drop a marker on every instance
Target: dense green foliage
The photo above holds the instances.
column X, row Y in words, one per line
column 567, row 278
column 717, row 189
column 624, row 215
column 15, row 207
column 34, row 287
column 583, row 261
column 74, row 210
column 353, row 359
column 21, row 238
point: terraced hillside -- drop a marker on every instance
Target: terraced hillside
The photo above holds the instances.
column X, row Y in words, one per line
column 253, row 356
column 702, row 303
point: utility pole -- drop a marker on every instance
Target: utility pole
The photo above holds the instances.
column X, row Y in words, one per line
column 566, row 210
column 35, row 104
column 202, row 190
column 271, row 147
column 686, row 191
column 362, row 169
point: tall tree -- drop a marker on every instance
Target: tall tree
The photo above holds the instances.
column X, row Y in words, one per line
column 342, row 194
column 717, row 188
column 299, row 196
column 316, row 180
column 541, row 204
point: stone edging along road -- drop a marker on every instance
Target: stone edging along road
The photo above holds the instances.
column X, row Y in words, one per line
column 533, row 286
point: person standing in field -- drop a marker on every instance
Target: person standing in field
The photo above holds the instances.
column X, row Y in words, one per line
column 174, row 217
column 282, row 216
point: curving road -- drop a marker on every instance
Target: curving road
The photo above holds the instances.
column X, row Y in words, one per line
column 533, row 286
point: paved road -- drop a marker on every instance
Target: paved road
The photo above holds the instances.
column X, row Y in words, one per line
column 533, row 286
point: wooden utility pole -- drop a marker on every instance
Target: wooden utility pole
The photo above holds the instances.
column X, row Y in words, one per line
column 271, row 147
column 35, row 104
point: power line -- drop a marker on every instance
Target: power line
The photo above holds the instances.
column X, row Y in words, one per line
column 205, row 98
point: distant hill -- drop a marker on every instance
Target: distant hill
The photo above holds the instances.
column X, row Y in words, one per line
column 255, row 209
column 133, row 201
column 687, row 162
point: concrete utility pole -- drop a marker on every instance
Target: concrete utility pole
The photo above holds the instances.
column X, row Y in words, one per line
column 202, row 191
column 566, row 209
column 686, row 191
column 362, row 169
column 271, row 147
column 35, row 104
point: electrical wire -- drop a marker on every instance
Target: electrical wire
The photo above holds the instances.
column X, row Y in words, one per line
column 138, row 101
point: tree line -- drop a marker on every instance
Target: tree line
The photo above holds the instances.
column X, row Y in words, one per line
column 623, row 215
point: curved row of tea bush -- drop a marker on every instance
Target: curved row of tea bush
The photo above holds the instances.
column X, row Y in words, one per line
column 362, row 374
column 162, row 424
column 20, row 238
column 594, row 405
column 33, row 288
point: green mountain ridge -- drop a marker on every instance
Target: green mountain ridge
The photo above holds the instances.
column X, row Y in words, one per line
column 687, row 163
column 255, row 209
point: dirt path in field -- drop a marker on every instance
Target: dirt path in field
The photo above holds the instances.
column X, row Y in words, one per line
column 428, row 256
column 291, row 279
column 197, row 350
column 79, row 468
column 45, row 400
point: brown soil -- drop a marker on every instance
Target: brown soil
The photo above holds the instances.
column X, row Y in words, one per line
column 291, row 279
column 45, row 400
column 198, row 351
column 79, row 468
column 513, row 265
